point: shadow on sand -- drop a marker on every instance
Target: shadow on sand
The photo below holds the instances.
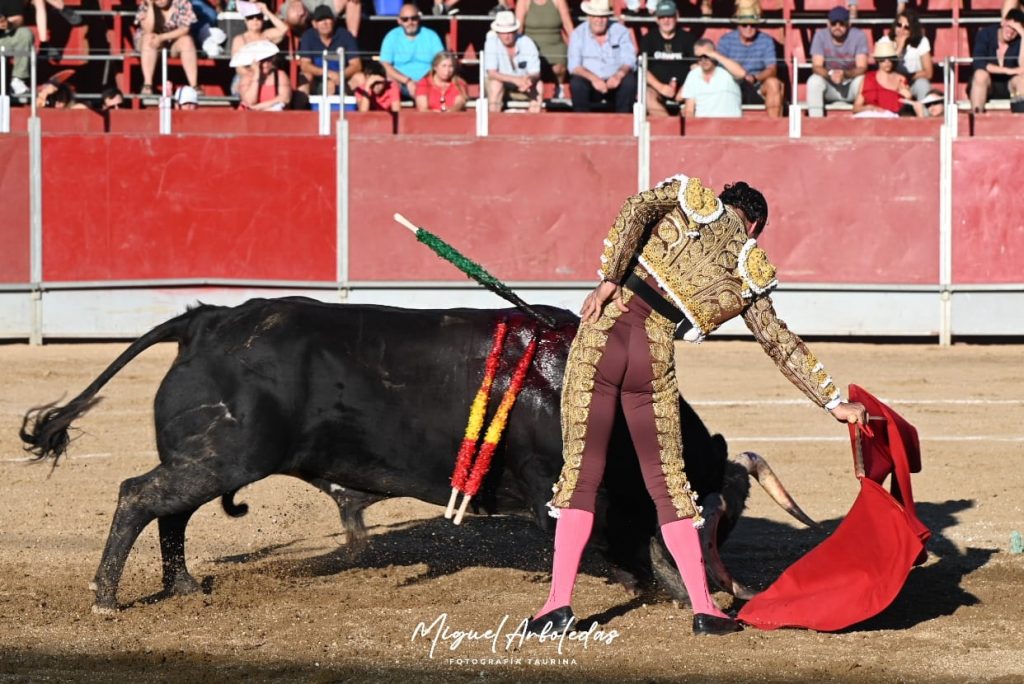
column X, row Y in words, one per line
column 756, row 553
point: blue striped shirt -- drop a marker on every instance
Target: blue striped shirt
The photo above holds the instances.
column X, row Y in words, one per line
column 754, row 57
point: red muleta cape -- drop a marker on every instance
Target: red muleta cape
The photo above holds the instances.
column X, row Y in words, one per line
column 858, row 571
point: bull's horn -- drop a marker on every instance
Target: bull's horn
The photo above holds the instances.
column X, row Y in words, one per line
column 714, row 508
column 762, row 472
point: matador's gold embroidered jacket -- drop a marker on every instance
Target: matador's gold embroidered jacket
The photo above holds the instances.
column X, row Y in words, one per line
column 700, row 254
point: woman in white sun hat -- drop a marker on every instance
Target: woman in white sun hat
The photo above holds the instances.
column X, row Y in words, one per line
column 263, row 86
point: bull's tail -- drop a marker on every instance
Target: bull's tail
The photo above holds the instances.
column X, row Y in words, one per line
column 227, row 502
column 44, row 429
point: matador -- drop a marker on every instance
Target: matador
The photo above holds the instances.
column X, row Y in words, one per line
column 678, row 260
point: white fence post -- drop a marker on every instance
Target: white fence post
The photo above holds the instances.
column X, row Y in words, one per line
column 165, row 96
column 341, row 199
column 482, row 112
column 640, row 105
column 5, row 99
column 35, row 202
column 795, row 115
column 325, row 106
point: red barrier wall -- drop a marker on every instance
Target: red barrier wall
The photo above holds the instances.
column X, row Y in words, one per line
column 528, row 209
column 188, row 207
column 14, row 214
column 988, row 214
column 840, row 211
column 861, row 210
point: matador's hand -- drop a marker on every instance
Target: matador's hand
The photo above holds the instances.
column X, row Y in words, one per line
column 850, row 412
column 596, row 300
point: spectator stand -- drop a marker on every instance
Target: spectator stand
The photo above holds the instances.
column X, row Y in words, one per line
column 95, row 48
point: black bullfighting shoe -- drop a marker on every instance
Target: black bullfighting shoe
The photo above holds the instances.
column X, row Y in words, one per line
column 558, row 619
column 712, row 624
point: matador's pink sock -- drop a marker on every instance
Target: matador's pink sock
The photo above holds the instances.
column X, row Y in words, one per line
column 683, row 543
column 571, row 534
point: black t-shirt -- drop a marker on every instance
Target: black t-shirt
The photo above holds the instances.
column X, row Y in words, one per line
column 668, row 58
column 12, row 8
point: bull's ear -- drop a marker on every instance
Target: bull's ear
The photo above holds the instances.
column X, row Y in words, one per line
column 720, row 446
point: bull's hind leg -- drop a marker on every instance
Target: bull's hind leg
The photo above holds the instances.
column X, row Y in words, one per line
column 167, row 491
column 177, row 579
column 351, row 505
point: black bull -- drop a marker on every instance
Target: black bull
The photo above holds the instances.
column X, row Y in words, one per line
column 373, row 399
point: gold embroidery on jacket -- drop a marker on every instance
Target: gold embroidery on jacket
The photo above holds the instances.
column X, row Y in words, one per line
column 700, row 200
column 700, row 271
column 789, row 352
column 636, row 214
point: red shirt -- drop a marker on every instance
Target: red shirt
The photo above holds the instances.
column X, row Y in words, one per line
column 875, row 94
column 435, row 94
column 383, row 101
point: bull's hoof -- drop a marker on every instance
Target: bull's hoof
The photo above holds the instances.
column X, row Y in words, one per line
column 93, row 586
column 104, row 609
column 182, row 585
column 713, row 625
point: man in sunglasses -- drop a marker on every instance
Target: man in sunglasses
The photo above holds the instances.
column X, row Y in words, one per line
column 408, row 50
column 839, row 59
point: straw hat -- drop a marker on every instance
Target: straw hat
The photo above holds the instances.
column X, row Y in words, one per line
column 885, row 49
column 597, row 8
column 253, row 52
column 747, row 12
column 505, row 22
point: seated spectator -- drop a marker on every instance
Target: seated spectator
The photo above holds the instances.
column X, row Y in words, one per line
column 444, row 7
column 374, row 92
column 14, row 10
column 296, row 13
column 17, row 39
column 839, row 59
column 323, row 36
column 997, row 70
column 256, row 16
column 110, row 98
column 408, row 50
column 544, row 24
column 263, row 86
column 885, row 90
column 932, row 104
column 55, row 94
column 165, row 24
column 669, row 50
column 187, row 98
column 205, row 32
column 441, row 90
column 755, row 51
column 512, row 62
column 602, row 60
column 915, row 52
column 711, row 90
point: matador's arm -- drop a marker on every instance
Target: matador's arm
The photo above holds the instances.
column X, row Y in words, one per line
column 790, row 354
column 636, row 214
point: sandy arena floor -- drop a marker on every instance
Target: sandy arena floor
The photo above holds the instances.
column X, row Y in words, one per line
column 286, row 601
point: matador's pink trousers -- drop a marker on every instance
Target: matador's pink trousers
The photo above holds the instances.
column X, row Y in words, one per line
column 625, row 373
